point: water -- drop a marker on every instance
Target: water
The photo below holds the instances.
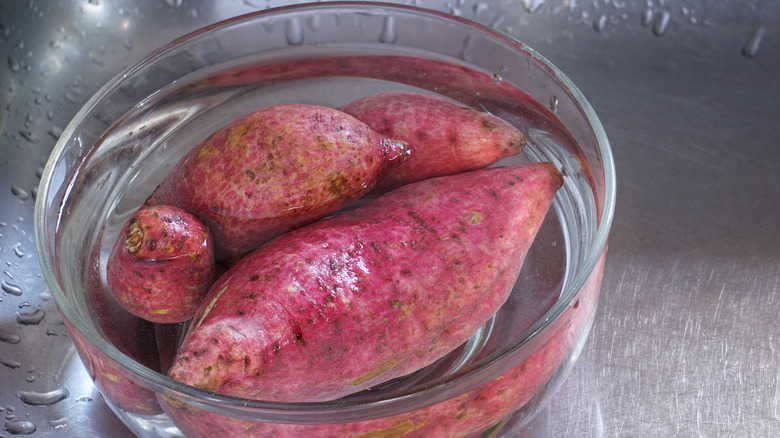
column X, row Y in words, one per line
column 9, row 337
column 661, row 23
column 43, row 398
column 30, row 318
column 11, row 288
column 159, row 132
column 753, row 42
column 20, row 427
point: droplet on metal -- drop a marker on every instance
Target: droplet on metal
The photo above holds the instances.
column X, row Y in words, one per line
column 647, row 17
column 15, row 67
column 20, row 193
column 661, row 23
column 599, row 23
column 43, row 398
column 10, row 363
column 9, row 337
column 753, row 43
column 20, row 427
column 11, row 289
column 554, row 104
column 496, row 78
column 30, row 318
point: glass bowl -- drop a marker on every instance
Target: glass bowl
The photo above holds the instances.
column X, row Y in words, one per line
column 127, row 137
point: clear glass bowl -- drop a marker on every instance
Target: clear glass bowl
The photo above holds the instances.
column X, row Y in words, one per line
column 127, row 137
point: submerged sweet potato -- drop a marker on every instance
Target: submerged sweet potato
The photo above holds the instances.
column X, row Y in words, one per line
column 275, row 169
column 162, row 265
column 369, row 295
column 444, row 137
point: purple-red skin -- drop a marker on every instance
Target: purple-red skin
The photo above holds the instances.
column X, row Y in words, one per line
column 276, row 169
column 369, row 295
column 162, row 265
column 444, row 137
column 466, row 415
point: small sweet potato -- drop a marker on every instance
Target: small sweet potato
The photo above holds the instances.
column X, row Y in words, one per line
column 371, row 294
column 444, row 137
column 275, row 169
column 162, row 265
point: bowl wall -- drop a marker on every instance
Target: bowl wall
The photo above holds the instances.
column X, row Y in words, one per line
column 128, row 136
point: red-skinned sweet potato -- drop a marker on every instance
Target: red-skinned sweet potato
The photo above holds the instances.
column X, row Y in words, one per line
column 275, row 169
column 162, row 265
column 443, row 136
column 466, row 415
column 371, row 294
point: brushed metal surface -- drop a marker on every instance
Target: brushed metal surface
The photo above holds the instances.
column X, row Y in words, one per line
column 686, row 339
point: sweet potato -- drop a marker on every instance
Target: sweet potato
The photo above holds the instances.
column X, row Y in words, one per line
column 371, row 294
column 525, row 385
column 162, row 265
column 275, row 169
column 444, row 137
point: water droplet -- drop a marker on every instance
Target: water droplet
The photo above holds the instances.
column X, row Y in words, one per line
column 647, row 17
column 554, row 104
column 30, row 318
column 55, row 131
column 9, row 337
column 174, row 3
column 10, row 363
column 96, row 58
column 496, row 78
column 599, row 23
column 128, row 43
column 13, row 64
column 388, row 31
column 532, row 5
column 18, row 250
column 753, row 43
column 20, row 193
column 480, row 7
column 293, row 32
column 30, row 379
column 11, row 288
column 29, row 135
column 20, row 427
column 661, row 23
column 58, row 422
column 43, row 398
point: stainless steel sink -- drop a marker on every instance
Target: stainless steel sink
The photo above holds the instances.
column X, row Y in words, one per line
column 686, row 339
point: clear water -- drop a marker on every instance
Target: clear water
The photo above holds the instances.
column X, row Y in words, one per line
column 141, row 147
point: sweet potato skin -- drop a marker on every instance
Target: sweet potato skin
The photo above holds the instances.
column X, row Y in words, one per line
column 275, row 169
column 162, row 265
column 466, row 415
column 443, row 136
column 369, row 295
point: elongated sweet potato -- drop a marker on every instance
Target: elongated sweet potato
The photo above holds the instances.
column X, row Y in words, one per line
column 275, row 169
column 444, row 137
column 162, row 265
column 369, row 295
column 524, row 386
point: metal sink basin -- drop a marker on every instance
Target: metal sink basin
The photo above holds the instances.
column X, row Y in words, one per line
column 685, row 342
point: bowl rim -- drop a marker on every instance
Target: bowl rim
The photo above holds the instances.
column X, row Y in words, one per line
column 345, row 408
